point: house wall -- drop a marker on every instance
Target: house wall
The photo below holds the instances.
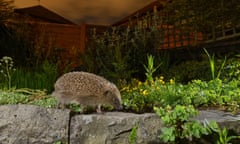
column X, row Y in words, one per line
column 67, row 41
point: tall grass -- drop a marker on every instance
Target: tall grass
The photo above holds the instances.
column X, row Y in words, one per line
column 42, row 77
column 212, row 65
column 150, row 68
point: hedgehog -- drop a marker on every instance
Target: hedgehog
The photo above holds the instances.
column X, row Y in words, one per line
column 86, row 89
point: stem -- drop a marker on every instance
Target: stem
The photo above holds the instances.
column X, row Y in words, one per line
column 211, row 63
column 8, row 76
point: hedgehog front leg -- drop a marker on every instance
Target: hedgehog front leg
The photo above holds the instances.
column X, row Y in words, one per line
column 60, row 105
column 99, row 109
column 83, row 109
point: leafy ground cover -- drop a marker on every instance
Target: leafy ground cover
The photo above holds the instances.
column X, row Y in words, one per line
column 173, row 101
column 142, row 96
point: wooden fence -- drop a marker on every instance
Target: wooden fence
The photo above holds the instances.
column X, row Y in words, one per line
column 179, row 37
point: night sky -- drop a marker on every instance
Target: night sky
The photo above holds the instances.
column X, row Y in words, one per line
column 101, row 12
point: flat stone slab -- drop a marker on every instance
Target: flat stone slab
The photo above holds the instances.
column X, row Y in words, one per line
column 22, row 124
column 114, row 128
column 224, row 119
column 218, row 116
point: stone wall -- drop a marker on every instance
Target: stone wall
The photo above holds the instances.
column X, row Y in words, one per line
column 37, row 125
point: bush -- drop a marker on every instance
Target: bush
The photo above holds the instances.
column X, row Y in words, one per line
column 177, row 126
column 232, row 70
column 142, row 97
column 190, row 70
column 186, row 71
column 119, row 53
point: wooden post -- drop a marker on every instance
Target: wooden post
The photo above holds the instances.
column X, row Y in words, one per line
column 82, row 37
column 155, row 9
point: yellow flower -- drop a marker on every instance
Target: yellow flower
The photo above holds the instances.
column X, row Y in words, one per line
column 145, row 92
column 139, row 83
column 135, row 88
column 152, row 83
column 171, row 81
column 161, row 77
column 161, row 81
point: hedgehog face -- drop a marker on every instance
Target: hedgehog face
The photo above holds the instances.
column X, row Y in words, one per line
column 113, row 99
column 116, row 103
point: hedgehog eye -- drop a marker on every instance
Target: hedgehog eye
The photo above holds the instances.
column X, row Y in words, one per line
column 115, row 101
column 107, row 93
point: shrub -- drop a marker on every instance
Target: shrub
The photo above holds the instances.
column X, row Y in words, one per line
column 232, row 69
column 120, row 53
column 143, row 96
column 177, row 124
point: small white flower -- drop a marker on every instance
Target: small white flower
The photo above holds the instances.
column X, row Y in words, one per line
column 7, row 58
column 6, row 61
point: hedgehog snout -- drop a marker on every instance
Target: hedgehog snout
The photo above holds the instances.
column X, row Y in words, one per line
column 120, row 107
column 117, row 104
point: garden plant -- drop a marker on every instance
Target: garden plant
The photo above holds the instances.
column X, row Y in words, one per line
column 149, row 80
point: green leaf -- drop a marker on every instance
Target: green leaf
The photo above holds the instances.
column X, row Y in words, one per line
column 168, row 134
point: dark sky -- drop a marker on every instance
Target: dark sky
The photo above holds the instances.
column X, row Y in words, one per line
column 89, row 11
